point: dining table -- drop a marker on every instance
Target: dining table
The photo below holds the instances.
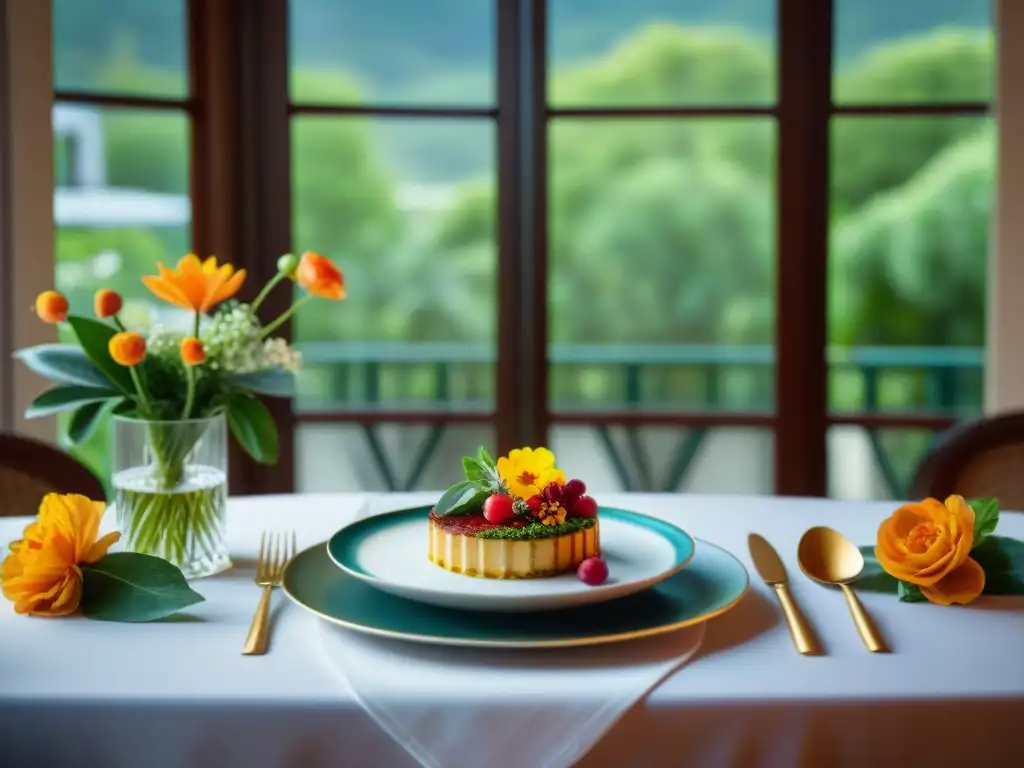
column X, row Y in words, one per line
column 179, row 692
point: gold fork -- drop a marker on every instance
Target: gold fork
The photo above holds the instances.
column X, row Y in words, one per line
column 275, row 552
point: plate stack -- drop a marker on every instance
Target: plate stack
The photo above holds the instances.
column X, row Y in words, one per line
column 374, row 576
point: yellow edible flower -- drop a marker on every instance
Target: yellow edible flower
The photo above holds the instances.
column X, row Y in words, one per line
column 527, row 470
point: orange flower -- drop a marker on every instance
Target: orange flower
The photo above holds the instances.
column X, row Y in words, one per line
column 192, row 351
column 127, row 348
column 929, row 544
column 41, row 575
column 52, row 307
column 198, row 286
column 318, row 275
column 107, row 303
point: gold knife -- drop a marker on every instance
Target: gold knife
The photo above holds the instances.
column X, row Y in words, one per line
column 771, row 569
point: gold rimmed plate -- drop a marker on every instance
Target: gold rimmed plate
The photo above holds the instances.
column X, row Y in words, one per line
column 712, row 583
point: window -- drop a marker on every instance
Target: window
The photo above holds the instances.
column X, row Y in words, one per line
column 122, row 122
column 666, row 238
column 911, row 178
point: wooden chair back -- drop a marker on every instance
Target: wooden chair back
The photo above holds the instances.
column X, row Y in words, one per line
column 30, row 469
column 981, row 458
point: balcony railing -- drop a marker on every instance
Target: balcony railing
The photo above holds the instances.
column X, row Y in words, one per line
column 629, row 386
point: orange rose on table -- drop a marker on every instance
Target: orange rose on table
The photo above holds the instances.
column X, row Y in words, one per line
column 42, row 574
column 928, row 544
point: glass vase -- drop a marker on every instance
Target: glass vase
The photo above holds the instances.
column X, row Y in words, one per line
column 170, row 491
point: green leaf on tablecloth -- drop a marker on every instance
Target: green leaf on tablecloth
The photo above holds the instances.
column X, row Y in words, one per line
column 874, row 578
column 986, row 518
column 1002, row 559
column 132, row 587
column 910, row 593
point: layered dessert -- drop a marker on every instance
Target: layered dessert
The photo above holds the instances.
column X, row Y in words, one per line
column 517, row 518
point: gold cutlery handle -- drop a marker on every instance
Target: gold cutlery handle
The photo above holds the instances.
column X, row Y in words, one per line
column 256, row 642
column 804, row 639
column 868, row 632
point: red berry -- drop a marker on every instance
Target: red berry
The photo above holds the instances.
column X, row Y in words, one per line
column 593, row 571
column 498, row 509
column 534, row 503
column 585, row 506
column 573, row 490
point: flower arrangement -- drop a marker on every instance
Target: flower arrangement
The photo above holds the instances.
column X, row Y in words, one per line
column 944, row 553
column 524, row 496
column 525, row 484
column 176, row 388
column 60, row 566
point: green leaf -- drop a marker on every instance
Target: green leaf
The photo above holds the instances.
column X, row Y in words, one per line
column 910, row 593
column 129, row 586
column 254, row 428
column 485, row 458
column 986, row 518
column 476, row 473
column 95, row 337
column 63, row 364
column 84, row 422
column 67, row 398
column 460, row 498
column 1002, row 559
column 874, row 578
column 274, row 382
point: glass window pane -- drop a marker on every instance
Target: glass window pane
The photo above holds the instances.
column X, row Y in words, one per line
column 613, row 459
column 121, row 203
column 875, row 464
column 385, row 457
column 662, row 264
column 121, row 46
column 392, row 52
column 912, row 199
column 413, row 230
column 922, row 52
column 661, row 54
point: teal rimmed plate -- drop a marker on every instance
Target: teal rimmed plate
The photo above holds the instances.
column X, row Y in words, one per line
column 389, row 552
column 710, row 585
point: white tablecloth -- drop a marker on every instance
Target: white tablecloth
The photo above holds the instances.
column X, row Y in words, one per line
column 80, row 693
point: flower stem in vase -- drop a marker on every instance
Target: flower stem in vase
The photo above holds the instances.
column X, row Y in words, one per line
column 172, row 503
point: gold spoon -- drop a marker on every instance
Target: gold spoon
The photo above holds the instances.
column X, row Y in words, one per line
column 830, row 558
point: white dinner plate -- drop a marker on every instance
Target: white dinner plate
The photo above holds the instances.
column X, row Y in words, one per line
column 389, row 552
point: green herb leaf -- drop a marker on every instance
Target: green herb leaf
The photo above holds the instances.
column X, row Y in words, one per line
column 95, row 337
column 67, row 398
column 274, row 382
column 460, row 498
column 254, row 428
column 476, row 473
column 63, row 364
column 84, row 421
column 1002, row 559
column 128, row 586
column 910, row 593
column 874, row 578
column 485, row 458
column 986, row 518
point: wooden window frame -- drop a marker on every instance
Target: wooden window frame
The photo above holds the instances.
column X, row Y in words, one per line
column 239, row 107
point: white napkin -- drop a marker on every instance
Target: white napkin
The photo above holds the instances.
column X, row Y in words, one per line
column 465, row 708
